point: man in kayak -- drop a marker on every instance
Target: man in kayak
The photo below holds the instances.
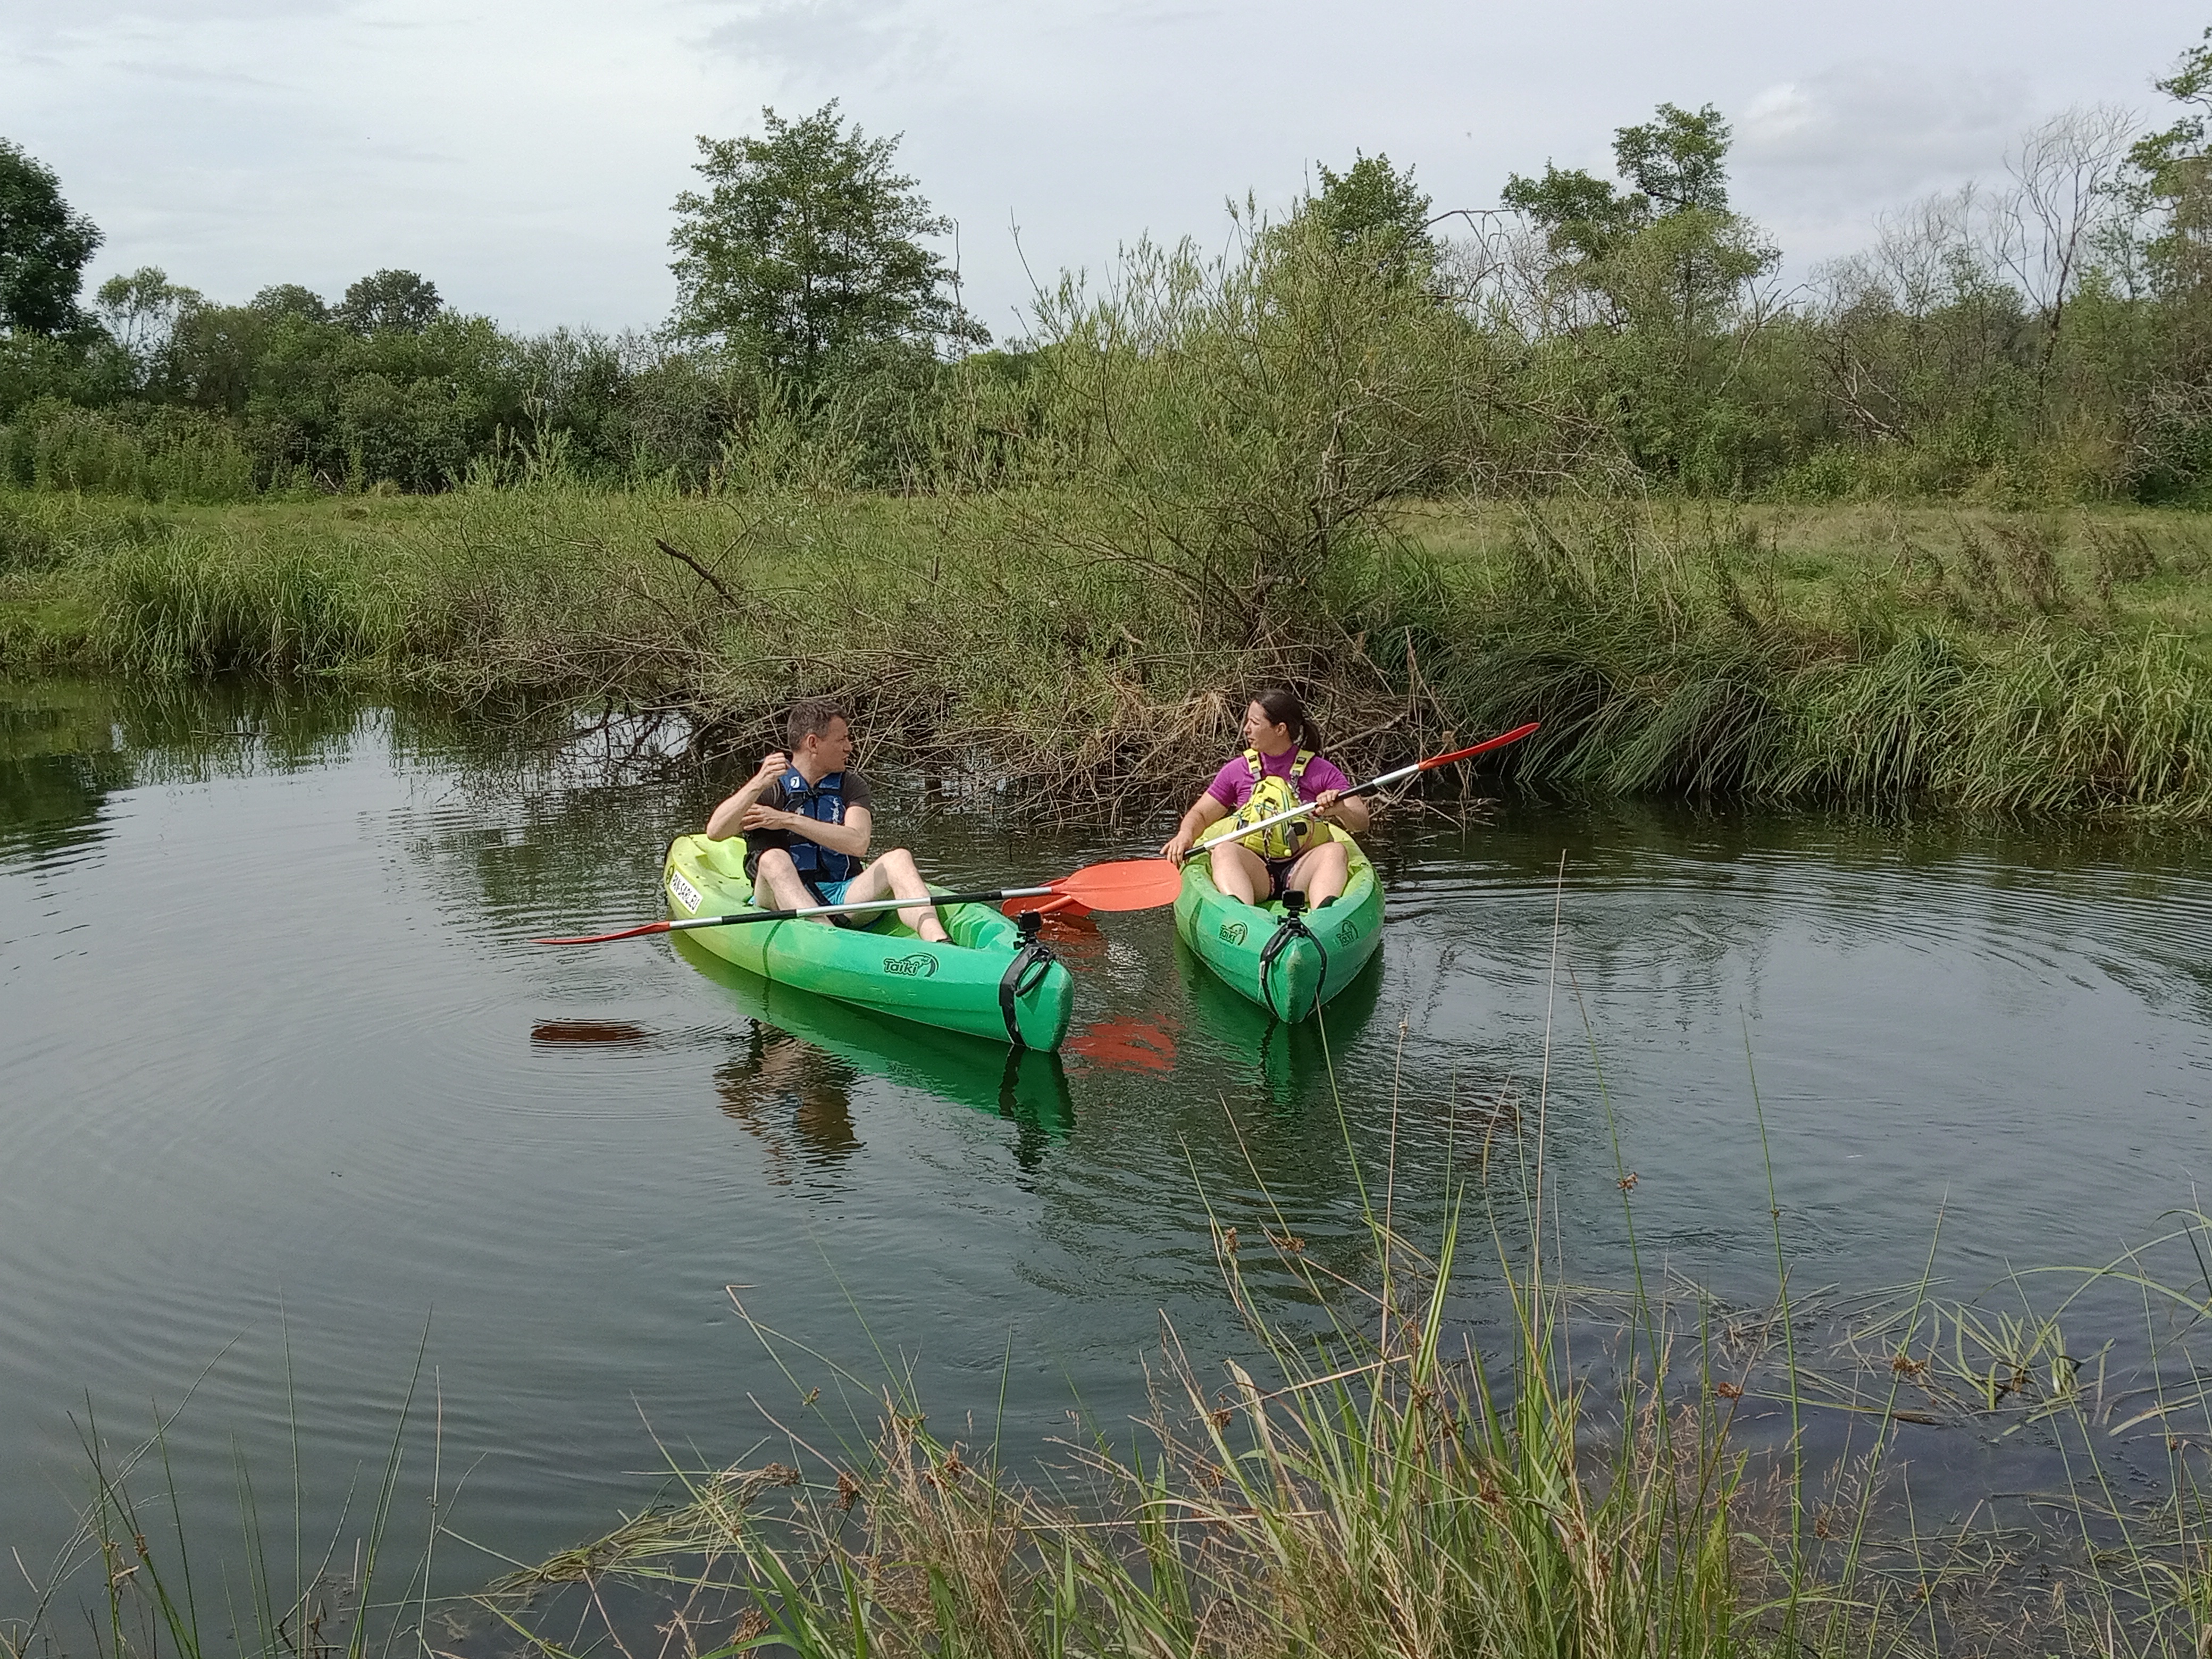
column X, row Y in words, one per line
column 806, row 819
column 1280, row 767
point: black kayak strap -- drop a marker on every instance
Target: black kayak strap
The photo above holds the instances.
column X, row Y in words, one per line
column 1022, row 975
column 1291, row 928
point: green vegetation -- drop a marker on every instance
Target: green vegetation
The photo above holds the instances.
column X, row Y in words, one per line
column 1576, row 464
column 1375, row 1482
column 1869, row 654
column 2044, row 339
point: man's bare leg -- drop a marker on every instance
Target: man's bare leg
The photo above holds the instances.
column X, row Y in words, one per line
column 893, row 876
column 776, row 879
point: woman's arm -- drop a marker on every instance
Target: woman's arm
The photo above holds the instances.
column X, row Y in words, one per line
column 1205, row 812
column 1349, row 811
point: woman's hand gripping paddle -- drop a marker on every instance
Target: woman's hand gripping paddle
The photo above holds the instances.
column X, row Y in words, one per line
column 1237, row 832
column 1117, row 884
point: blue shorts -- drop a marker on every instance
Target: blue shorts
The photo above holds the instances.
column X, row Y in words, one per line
column 826, row 892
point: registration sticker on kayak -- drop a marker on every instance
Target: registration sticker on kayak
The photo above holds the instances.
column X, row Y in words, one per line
column 683, row 891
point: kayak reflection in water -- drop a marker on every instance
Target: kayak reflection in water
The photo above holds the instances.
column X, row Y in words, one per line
column 1281, row 767
column 806, row 817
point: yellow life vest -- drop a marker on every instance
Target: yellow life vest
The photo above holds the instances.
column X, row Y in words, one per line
column 1271, row 795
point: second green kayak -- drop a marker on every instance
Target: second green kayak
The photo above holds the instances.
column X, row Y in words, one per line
column 984, row 983
column 1290, row 965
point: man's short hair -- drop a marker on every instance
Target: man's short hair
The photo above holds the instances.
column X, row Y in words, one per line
column 811, row 719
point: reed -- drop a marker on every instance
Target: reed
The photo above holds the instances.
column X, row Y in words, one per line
column 1033, row 642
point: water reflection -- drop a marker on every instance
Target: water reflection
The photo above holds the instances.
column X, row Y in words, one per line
column 833, row 1041
column 779, row 1076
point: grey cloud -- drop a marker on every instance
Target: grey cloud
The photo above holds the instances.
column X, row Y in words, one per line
column 826, row 38
column 1858, row 135
column 88, row 21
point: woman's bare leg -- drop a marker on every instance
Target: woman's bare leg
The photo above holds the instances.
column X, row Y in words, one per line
column 1321, row 872
column 1240, row 872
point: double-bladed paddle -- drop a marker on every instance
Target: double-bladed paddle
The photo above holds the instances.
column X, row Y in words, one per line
column 1117, row 884
column 1239, row 831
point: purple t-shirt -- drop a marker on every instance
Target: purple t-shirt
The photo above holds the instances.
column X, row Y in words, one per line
column 1232, row 784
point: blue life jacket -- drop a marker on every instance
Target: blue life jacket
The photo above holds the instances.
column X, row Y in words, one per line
column 823, row 802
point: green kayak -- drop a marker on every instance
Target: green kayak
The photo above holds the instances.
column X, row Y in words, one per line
column 984, row 983
column 1289, row 964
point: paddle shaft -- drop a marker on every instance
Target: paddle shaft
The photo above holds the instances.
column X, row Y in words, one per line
column 1241, row 831
column 800, row 912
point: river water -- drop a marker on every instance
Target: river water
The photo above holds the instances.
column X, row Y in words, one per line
column 287, row 1098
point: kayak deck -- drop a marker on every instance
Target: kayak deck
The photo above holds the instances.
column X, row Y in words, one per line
column 1289, row 966
column 980, row 983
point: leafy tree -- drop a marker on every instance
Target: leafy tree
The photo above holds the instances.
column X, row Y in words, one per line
column 1583, row 215
column 807, row 250
column 1677, row 162
column 387, row 301
column 291, row 299
column 44, row 246
column 1373, row 205
column 142, row 312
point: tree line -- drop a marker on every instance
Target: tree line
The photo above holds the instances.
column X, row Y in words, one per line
column 2047, row 337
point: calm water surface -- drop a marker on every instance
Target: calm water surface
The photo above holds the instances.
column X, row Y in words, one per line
column 286, row 1093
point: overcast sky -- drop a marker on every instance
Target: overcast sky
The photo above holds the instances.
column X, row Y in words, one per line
column 523, row 154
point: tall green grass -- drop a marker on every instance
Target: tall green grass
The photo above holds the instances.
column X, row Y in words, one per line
column 155, row 454
column 2003, row 663
column 135, row 1580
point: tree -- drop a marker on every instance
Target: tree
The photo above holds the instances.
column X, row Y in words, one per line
column 2174, row 179
column 142, row 312
column 291, row 300
column 806, row 249
column 1676, row 162
column 1374, row 205
column 386, row 300
column 44, row 246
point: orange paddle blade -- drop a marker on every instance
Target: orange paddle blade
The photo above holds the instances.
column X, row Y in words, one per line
column 1123, row 884
column 1059, row 906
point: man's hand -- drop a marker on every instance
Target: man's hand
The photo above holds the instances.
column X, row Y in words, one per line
column 772, row 767
column 757, row 816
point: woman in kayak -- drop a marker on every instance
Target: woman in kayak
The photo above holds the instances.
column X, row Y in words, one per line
column 807, row 818
column 1281, row 767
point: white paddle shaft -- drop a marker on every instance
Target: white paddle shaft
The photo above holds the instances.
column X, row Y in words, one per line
column 1239, row 831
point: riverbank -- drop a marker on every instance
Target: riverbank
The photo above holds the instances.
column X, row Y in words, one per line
column 1872, row 655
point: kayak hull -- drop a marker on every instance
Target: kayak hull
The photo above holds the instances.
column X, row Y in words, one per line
column 882, row 965
column 1238, row 942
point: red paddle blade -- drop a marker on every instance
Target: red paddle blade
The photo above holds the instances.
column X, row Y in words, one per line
column 1053, row 904
column 1123, row 884
column 601, row 939
column 1483, row 748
